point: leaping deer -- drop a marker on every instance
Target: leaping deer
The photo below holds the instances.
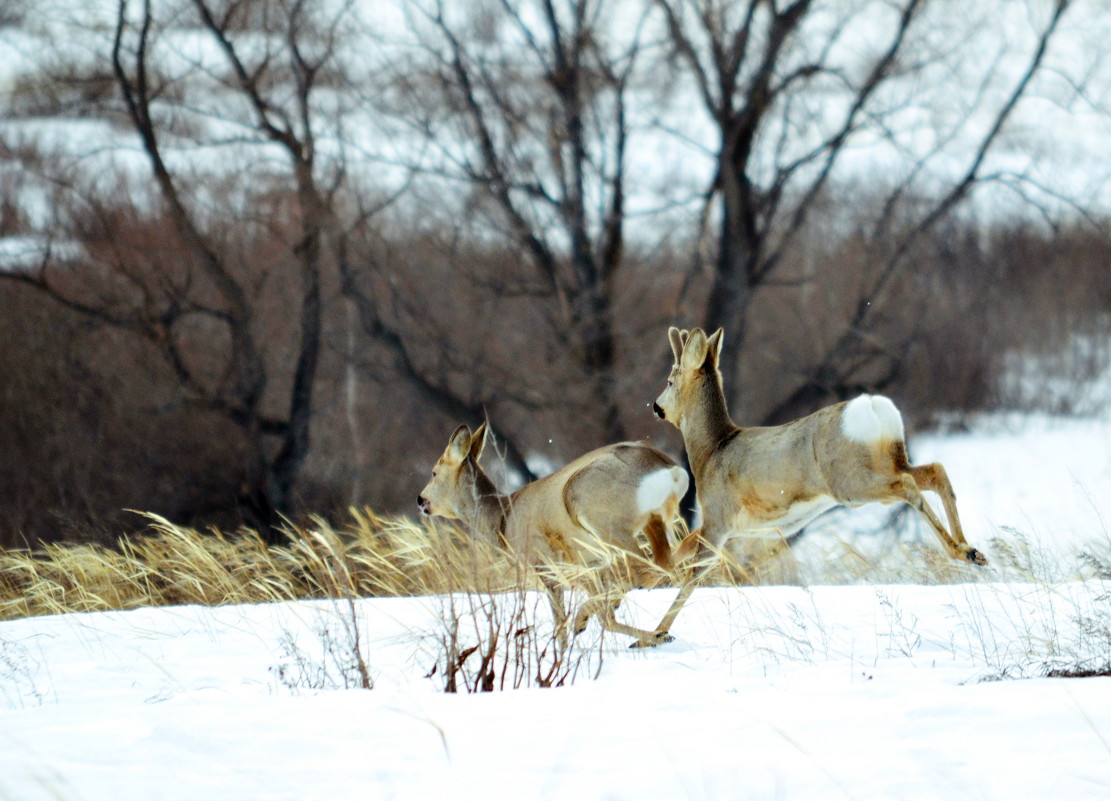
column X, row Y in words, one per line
column 576, row 516
column 782, row 477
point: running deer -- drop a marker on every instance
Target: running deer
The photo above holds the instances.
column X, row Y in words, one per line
column 752, row 480
column 581, row 515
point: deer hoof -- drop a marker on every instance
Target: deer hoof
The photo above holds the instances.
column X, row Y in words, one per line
column 975, row 557
column 659, row 638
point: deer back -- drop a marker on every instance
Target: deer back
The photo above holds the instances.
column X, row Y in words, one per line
column 781, row 477
column 606, row 495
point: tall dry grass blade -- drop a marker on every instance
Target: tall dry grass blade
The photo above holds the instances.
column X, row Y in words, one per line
column 171, row 564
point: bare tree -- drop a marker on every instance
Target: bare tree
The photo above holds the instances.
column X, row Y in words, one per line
column 364, row 281
column 532, row 121
column 230, row 225
column 249, row 243
column 754, row 64
column 206, row 286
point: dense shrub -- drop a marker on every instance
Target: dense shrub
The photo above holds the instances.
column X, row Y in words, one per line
column 92, row 423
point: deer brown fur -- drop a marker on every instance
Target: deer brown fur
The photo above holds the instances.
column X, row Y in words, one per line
column 778, row 479
column 582, row 515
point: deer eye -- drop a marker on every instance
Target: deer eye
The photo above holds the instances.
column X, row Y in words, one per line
column 433, row 474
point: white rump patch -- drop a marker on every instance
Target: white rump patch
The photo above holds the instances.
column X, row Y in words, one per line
column 659, row 486
column 872, row 418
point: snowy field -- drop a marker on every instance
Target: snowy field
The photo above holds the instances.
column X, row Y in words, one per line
column 797, row 693
column 778, row 692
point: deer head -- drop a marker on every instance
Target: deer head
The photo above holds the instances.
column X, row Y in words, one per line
column 453, row 489
column 694, row 373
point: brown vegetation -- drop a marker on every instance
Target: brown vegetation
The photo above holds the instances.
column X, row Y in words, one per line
column 271, row 331
column 92, row 424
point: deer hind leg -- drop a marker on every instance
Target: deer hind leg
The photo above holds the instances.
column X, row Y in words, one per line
column 689, row 547
column 604, row 590
column 932, row 477
column 592, row 606
column 655, row 530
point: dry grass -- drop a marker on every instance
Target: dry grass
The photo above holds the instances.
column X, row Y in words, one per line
column 373, row 555
column 370, row 556
column 1032, row 613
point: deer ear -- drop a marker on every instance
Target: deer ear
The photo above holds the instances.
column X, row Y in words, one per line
column 459, row 445
column 695, row 350
column 478, row 442
column 675, row 337
column 714, row 345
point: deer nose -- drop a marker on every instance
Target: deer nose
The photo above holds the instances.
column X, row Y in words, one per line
column 658, row 411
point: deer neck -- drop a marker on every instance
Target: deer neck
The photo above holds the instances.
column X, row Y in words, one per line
column 488, row 508
column 706, row 424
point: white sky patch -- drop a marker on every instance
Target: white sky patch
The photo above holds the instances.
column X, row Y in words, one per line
column 926, row 123
column 29, row 252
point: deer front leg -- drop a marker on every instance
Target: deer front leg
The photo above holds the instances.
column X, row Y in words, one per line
column 559, row 612
column 605, row 607
column 644, row 639
column 704, row 564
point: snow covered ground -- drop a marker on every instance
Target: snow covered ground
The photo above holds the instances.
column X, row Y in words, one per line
column 783, row 692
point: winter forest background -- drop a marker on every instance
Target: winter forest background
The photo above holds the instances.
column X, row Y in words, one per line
column 259, row 257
